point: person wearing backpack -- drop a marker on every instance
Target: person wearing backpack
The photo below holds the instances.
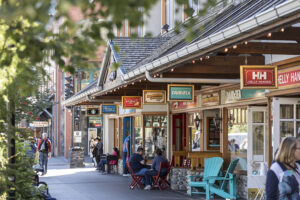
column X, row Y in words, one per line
column 283, row 178
column 44, row 149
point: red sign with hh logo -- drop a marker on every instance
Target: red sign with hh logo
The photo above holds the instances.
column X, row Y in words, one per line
column 131, row 102
column 256, row 76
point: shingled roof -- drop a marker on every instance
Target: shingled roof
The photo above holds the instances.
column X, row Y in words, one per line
column 133, row 50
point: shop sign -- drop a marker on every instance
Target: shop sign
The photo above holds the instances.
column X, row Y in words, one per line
column 210, row 99
column 289, row 77
column 109, row 109
column 258, row 76
column 40, row 123
column 131, row 102
column 180, row 92
column 95, row 122
column 236, row 95
column 125, row 111
column 92, row 111
column 177, row 105
column 154, row 96
column 77, row 137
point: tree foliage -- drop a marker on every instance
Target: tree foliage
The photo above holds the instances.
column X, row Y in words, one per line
column 35, row 32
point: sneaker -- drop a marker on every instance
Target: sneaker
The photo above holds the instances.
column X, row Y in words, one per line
column 103, row 173
column 148, row 187
column 126, row 174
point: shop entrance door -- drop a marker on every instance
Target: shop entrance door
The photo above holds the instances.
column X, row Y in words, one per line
column 256, row 154
column 179, row 132
column 286, row 116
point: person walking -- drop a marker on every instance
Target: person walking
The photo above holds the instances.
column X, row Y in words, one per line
column 155, row 168
column 44, row 149
column 126, row 153
column 283, row 178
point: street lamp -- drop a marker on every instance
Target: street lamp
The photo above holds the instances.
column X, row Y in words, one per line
column 217, row 122
column 198, row 122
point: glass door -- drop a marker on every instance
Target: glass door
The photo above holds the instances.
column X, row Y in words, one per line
column 257, row 143
column 286, row 112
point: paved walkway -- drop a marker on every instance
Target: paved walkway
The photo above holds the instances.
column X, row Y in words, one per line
column 88, row 184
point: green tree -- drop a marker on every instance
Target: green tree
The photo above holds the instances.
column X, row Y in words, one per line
column 28, row 40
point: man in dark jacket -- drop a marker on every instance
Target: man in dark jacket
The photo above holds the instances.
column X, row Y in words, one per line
column 44, row 149
column 99, row 150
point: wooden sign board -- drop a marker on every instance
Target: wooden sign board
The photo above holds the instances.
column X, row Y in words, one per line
column 131, row 102
column 178, row 92
column 258, row 76
column 93, row 111
column 154, row 97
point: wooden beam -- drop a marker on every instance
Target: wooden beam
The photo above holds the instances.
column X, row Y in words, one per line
column 183, row 75
column 291, row 33
column 208, row 69
column 267, row 48
column 229, row 60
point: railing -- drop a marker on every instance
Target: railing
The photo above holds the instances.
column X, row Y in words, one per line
column 178, row 157
column 198, row 157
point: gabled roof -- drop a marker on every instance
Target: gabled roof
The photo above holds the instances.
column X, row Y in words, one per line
column 133, row 50
column 236, row 20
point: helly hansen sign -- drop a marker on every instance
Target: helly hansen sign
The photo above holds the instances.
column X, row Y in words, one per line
column 258, row 77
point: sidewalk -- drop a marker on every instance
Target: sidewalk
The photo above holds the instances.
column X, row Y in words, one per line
column 88, row 184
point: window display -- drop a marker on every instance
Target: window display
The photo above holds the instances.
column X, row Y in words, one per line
column 194, row 133
column 237, row 136
column 155, row 134
column 138, row 133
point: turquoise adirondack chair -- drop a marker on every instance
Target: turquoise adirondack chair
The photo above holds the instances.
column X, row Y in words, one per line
column 223, row 190
column 212, row 168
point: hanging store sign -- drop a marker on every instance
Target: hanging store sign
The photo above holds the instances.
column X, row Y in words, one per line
column 177, row 105
column 131, row 102
column 92, row 111
column 180, row 92
column 109, row 109
column 236, row 95
column 289, row 77
column 154, row 96
column 95, row 122
column 258, row 77
column 40, row 124
column 212, row 99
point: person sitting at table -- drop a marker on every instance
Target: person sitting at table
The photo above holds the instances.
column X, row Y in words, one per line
column 104, row 160
column 138, row 162
column 155, row 168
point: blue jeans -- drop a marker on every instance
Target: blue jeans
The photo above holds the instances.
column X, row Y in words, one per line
column 142, row 172
column 102, row 164
column 44, row 161
column 125, row 171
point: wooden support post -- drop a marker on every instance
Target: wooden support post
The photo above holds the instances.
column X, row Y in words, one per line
column 269, row 136
column 224, row 138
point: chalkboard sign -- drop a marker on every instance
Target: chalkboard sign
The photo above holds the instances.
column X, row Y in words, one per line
column 213, row 134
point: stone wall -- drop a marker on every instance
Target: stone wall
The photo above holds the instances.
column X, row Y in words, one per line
column 241, row 186
column 77, row 157
column 120, row 167
column 179, row 181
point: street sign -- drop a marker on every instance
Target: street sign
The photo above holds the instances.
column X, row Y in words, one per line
column 77, row 137
column 258, row 76
column 40, row 123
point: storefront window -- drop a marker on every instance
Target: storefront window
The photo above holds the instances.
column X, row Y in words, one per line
column 286, row 129
column 138, row 133
column 155, row 135
column 237, row 136
column 194, row 134
column 298, row 111
column 286, row 111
